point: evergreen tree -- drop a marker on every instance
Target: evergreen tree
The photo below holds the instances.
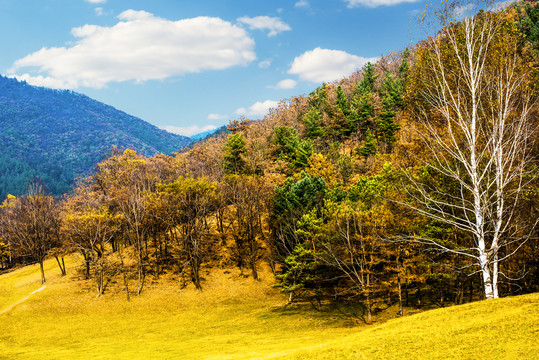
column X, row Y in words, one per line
column 313, row 124
column 234, row 154
column 369, row 148
column 404, row 67
column 290, row 148
column 342, row 101
column 393, row 87
column 369, row 78
column 387, row 126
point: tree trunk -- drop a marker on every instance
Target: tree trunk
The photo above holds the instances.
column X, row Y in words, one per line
column 291, row 297
column 195, row 276
column 470, row 299
column 87, row 264
column 369, row 311
column 369, row 304
column 61, row 265
column 140, row 265
column 43, row 280
column 99, row 278
column 485, row 272
column 122, row 269
column 400, row 313
column 495, row 269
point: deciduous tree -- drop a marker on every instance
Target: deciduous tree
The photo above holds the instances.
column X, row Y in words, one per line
column 473, row 94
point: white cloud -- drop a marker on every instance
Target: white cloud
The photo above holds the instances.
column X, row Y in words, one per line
column 285, row 84
column 302, row 4
column 44, row 81
column 273, row 24
column 265, row 64
column 376, row 3
column 217, row 117
column 133, row 15
column 501, row 5
column 324, row 65
column 96, row 1
column 140, row 47
column 188, row 130
column 99, row 11
column 85, row 31
column 258, row 109
column 462, row 11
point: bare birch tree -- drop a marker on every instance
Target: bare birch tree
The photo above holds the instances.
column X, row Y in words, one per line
column 473, row 102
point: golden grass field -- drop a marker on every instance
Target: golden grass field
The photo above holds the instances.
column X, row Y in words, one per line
column 238, row 318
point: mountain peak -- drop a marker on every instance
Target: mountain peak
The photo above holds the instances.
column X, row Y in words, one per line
column 59, row 135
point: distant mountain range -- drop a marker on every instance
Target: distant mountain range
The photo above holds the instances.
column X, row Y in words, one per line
column 203, row 134
column 60, row 135
column 210, row 133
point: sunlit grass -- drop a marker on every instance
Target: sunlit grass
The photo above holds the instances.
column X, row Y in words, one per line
column 497, row 329
column 238, row 318
column 17, row 284
column 232, row 318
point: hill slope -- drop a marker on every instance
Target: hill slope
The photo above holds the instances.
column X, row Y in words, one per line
column 504, row 328
column 238, row 318
column 232, row 318
column 59, row 135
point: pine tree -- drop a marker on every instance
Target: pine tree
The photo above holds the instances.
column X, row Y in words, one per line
column 234, row 150
column 313, row 124
column 404, row 67
column 369, row 148
column 369, row 78
column 387, row 126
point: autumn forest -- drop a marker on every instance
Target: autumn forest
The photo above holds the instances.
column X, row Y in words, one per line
column 411, row 183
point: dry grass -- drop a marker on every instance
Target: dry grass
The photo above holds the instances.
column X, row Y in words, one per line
column 232, row 318
column 498, row 329
column 238, row 318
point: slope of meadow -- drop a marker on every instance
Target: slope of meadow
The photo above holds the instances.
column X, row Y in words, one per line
column 505, row 328
column 232, row 318
column 237, row 318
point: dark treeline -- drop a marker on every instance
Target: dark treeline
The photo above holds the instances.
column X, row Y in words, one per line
column 377, row 189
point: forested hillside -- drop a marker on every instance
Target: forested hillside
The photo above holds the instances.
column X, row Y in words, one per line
column 411, row 183
column 60, row 135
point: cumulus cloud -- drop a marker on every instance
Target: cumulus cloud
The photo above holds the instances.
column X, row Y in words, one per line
column 217, row 117
column 188, row 130
column 285, row 84
column 273, row 24
column 85, row 31
column 375, row 3
column 302, row 4
column 258, row 109
column 139, row 47
column 96, row 1
column 132, row 15
column 45, row 81
column 324, row 65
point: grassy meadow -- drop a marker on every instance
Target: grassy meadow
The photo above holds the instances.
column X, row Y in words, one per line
column 237, row 318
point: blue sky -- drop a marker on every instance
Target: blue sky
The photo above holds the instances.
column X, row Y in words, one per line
column 189, row 65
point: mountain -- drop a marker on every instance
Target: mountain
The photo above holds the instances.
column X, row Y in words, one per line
column 210, row 133
column 58, row 135
column 203, row 134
